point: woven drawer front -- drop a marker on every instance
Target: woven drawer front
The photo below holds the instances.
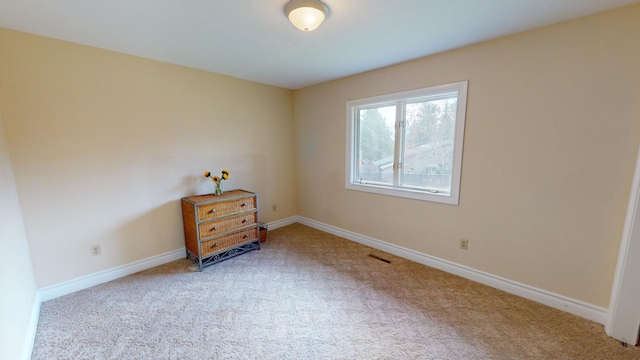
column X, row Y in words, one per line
column 222, row 226
column 218, row 209
column 229, row 241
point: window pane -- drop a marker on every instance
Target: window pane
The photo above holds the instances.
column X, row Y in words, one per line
column 428, row 148
column 375, row 144
column 427, row 154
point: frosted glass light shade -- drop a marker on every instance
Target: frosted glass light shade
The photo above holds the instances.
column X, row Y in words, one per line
column 306, row 15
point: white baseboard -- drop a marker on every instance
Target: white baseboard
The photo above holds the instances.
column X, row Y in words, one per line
column 87, row 281
column 560, row 302
column 30, row 337
column 282, row 222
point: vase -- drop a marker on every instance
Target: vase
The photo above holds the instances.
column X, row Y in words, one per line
column 218, row 189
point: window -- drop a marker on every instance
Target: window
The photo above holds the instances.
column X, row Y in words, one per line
column 408, row 144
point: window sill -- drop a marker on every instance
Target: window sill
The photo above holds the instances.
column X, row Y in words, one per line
column 404, row 193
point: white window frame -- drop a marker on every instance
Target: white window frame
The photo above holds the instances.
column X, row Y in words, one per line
column 353, row 106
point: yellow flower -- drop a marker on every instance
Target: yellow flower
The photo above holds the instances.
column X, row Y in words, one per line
column 216, row 179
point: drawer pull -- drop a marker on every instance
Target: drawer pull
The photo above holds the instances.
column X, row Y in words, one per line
column 246, row 236
column 213, row 211
column 214, row 228
column 215, row 245
column 244, row 204
column 245, row 221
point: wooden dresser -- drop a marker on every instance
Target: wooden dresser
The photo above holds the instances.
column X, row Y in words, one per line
column 219, row 227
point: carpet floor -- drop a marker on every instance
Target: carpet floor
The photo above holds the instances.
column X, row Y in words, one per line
column 310, row 295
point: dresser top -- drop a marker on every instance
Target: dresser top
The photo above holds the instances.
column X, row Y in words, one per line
column 227, row 195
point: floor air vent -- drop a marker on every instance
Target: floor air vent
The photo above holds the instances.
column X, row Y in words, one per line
column 379, row 258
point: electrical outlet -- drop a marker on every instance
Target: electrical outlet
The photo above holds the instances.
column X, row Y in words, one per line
column 274, row 208
column 464, row 244
column 95, row 250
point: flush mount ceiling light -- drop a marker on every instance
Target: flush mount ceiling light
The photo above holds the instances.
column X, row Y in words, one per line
column 306, row 15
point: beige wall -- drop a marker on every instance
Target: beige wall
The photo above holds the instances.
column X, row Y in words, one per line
column 17, row 282
column 104, row 145
column 551, row 138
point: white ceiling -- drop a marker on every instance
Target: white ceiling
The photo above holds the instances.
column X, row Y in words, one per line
column 253, row 40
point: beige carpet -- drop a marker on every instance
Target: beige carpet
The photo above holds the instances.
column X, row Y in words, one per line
column 310, row 295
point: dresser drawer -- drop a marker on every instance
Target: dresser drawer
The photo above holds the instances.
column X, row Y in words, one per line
column 216, row 210
column 217, row 227
column 226, row 242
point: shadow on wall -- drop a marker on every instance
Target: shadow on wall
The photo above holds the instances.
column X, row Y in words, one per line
column 191, row 185
column 157, row 231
